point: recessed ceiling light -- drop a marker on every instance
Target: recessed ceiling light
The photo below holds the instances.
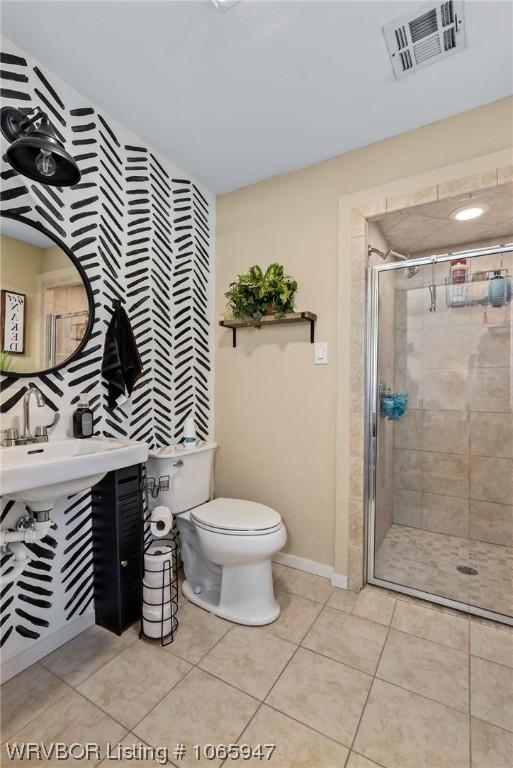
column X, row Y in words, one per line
column 469, row 212
column 225, row 5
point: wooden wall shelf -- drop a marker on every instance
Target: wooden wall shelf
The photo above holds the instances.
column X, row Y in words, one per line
column 265, row 320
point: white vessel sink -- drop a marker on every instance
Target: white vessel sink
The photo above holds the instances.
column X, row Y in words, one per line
column 40, row 473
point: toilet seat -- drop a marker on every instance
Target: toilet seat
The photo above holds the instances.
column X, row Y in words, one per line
column 236, row 517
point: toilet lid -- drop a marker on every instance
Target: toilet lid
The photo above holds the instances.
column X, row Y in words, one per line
column 236, row 515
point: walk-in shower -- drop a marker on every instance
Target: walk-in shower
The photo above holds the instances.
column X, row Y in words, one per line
column 439, row 435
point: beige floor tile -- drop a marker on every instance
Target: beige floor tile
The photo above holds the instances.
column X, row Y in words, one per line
column 249, row 659
column 301, row 583
column 202, row 617
column 400, row 729
column 374, row 605
column 199, row 710
column 433, row 670
column 346, row 638
column 342, row 600
column 295, row 619
column 492, row 747
column 26, row 696
column 70, row 720
column 296, row 745
column 198, row 632
column 322, row 694
column 359, row 761
column 132, row 683
column 430, row 624
column 492, row 643
column 86, row 653
column 192, row 643
column 131, row 752
column 491, row 689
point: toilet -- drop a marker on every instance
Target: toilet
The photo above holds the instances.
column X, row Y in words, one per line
column 227, row 544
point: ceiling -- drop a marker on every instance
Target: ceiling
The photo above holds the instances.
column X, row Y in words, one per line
column 424, row 228
column 27, row 234
column 268, row 87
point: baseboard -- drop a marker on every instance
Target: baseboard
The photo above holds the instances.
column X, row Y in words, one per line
column 302, row 564
column 41, row 648
column 338, row 580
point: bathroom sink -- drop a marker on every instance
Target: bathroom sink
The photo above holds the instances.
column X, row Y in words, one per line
column 40, row 473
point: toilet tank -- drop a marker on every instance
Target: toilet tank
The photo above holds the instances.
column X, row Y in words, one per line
column 190, row 473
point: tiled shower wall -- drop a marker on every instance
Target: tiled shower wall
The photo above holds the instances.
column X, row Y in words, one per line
column 453, row 451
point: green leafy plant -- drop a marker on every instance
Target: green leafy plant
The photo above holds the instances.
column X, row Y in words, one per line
column 256, row 293
column 278, row 289
column 6, row 361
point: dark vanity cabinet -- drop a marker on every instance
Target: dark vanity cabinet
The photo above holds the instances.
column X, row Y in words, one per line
column 117, row 524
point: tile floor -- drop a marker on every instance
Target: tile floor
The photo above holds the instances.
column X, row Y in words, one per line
column 427, row 561
column 338, row 681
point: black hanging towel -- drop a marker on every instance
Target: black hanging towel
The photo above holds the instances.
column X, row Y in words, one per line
column 121, row 365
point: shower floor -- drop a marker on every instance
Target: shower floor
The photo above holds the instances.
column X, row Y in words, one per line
column 428, row 562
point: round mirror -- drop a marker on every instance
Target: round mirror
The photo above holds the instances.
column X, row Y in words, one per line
column 46, row 307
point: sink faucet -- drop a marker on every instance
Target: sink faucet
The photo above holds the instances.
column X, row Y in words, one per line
column 10, row 437
column 31, row 390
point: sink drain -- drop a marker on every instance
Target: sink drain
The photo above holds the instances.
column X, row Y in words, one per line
column 467, row 570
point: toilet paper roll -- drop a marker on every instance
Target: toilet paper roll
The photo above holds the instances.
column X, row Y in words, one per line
column 157, row 582
column 154, row 612
column 153, row 626
column 158, row 566
column 157, row 579
column 161, row 521
column 156, row 554
column 157, row 594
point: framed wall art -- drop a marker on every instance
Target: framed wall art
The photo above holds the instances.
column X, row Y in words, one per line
column 12, row 321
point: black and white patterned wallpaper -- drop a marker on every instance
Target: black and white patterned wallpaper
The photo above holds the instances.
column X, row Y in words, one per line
column 144, row 232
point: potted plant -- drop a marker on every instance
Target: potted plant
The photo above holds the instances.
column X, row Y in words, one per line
column 6, row 361
column 256, row 293
column 278, row 290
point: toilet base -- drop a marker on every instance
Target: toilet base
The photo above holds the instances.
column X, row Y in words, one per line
column 247, row 595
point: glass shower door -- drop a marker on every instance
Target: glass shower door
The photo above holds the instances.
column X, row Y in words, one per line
column 440, row 490
column 64, row 332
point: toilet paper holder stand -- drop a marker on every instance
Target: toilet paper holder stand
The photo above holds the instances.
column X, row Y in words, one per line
column 169, row 605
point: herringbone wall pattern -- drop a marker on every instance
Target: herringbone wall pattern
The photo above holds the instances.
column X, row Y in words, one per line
column 143, row 234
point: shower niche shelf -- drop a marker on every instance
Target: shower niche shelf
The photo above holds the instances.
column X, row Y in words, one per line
column 266, row 320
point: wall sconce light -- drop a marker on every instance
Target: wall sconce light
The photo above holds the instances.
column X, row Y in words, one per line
column 35, row 150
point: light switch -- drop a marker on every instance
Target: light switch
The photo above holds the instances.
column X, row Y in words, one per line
column 321, row 353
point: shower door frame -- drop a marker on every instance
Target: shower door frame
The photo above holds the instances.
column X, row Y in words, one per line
column 371, row 422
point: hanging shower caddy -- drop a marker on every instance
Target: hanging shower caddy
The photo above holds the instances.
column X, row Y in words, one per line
column 491, row 287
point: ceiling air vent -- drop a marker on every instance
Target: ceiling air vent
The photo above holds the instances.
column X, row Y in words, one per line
column 431, row 33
